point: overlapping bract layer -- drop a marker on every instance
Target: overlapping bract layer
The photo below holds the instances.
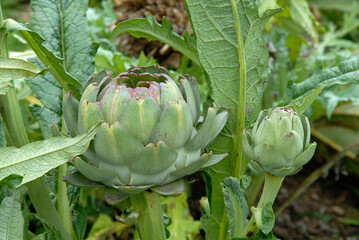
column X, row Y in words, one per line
column 148, row 136
column 279, row 142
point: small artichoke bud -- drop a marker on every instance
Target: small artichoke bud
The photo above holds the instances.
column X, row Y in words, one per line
column 279, row 142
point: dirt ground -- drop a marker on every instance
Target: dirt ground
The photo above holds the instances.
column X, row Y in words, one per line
column 174, row 10
column 323, row 211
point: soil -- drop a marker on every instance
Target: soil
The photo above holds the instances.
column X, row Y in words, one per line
column 323, row 210
column 175, row 12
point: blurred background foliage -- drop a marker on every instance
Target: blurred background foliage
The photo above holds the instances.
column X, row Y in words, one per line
column 304, row 37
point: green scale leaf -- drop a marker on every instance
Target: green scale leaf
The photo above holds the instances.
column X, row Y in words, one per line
column 161, row 158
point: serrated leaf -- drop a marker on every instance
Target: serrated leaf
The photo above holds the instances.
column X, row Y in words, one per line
column 261, row 236
column 344, row 94
column 183, row 225
column 219, row 49
column 79, row 221
column 52, row 62
column 11, row 69
column 103, row 225
column 12, row 221
column 302, row 103
column 236, row 206
column 210, row 226
column 64, row 27
column 39, row 237
column 150, row 29
column 345, row 73
column 301, row 14
column 265, row 218
column 35, row 159
column 51, row 232
column 50, row 111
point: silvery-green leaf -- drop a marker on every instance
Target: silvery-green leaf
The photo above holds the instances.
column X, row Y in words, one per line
column 11, row 69
column 35, row 159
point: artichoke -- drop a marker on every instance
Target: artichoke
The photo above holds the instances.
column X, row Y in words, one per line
column 151, row 134
column 279, row 142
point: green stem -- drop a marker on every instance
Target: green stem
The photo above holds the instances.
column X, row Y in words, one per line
column 239, row 164
column 63, row 207
column 270, row 190
column 17, row 132
column 44, row 207
column 255, row 187
column 1, row 17
column 150, row 223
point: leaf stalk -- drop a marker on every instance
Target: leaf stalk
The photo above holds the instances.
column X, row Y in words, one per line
column 270, row 190
column 150, row 223
column 238, row 162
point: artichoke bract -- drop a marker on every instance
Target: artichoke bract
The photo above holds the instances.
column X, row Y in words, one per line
column 148, row 137
column 279, row 142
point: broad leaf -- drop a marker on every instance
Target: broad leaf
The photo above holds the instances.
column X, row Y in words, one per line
column 11, row 219
column 64, row 27
column 67, row 49
column 222, row 55
column 105, row 226
column 79, row 221
column 302, row 94
column 11, row 69
column 35, row 159
column 150, row 29
column 301, row 15
column 337, row 95
column 301, row 103
column 264, row 217
column 183, row 226
column 63, row 24
column 51, row 61
column 236, row 206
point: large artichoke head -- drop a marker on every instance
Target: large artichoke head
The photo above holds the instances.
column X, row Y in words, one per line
column 279, row 142
column 149, row 134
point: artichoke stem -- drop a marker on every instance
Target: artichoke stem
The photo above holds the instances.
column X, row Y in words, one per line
column 149, row 224
column 270, row 190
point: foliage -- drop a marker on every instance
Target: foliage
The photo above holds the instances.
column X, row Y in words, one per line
column 311, row 66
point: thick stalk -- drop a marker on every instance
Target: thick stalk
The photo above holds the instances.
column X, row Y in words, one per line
column 270, row 190
column 253, row 190
column 16, row 128
column 239, row 164
column 150, row 223
column 63, row 207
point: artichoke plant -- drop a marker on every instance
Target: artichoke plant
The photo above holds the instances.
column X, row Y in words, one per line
column 151, row 133
column 279, row 142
